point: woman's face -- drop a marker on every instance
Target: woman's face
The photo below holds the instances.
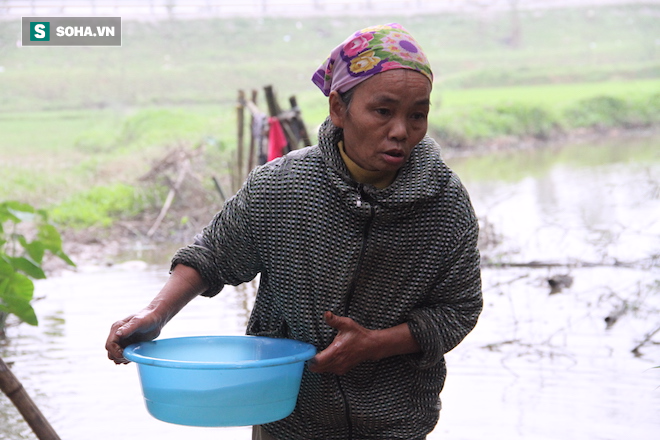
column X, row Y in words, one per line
column 386, row 118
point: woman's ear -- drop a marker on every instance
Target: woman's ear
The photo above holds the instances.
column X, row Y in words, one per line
column 337, row 109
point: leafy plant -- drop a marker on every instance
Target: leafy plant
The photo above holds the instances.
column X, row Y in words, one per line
column 21, row 258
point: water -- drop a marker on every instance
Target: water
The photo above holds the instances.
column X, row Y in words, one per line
column 63, row 363
column 538, row 366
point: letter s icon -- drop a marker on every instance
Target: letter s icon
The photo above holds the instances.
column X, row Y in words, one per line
column 39, row 31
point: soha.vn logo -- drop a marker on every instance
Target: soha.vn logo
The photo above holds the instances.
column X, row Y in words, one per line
column 85, row 31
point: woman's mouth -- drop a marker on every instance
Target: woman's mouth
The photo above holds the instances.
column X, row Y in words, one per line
column 394, row 157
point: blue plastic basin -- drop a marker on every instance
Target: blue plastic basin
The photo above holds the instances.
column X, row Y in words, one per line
column 220, row 380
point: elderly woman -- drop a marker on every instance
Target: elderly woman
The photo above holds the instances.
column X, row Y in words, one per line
column 367, row 248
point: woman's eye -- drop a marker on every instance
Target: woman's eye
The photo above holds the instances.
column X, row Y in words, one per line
column 419, row 116
column 383, row 111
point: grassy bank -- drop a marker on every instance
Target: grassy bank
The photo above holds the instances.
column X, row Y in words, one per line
column 468, row 117
column 54, row 157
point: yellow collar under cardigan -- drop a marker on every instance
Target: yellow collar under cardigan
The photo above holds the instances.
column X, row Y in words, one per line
column 379, row 179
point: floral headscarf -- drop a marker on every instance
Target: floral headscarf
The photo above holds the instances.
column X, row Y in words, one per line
column 370, row 51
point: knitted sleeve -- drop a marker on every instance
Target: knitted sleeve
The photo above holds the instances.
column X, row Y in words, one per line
column 456, row 302
column 225, row 252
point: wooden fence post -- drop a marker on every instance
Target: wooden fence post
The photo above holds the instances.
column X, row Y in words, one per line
column 273, row 107
column 13, row 388
column 240, row 116
column 253, row 140
column 302, row 130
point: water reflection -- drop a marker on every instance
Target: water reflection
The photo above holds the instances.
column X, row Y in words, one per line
column 593, row 203
column 537, row 366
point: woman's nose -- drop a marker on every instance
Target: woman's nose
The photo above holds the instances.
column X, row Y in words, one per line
column 398, row 129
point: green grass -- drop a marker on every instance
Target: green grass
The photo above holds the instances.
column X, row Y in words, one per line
column 99, row 206
column 50, row 155
column 46, row 131
column 464, row 117
column 546, row 94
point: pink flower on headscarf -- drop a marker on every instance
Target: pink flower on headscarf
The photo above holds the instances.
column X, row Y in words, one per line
column 357, row 45
column 392, row 65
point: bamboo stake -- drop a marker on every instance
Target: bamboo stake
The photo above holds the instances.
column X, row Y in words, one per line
column 273, row 108
column 302, row 130
column 253, row 141
column 13, row 389
column 252, row 107
column 219, row 188
column 289, row 134
column 256, row 113
column 240, row 117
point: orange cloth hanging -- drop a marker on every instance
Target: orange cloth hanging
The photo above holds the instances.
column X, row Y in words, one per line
column 276, row 139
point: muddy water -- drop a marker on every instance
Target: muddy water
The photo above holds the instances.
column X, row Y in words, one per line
column 538, row 366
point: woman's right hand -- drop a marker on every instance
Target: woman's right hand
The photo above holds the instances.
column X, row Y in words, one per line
column 184, row 284
column 142, row 326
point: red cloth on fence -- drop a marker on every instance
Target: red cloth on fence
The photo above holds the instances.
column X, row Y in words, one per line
column 276, row 139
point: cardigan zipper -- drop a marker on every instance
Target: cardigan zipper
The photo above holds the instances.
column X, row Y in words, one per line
column 363, row 249
column 351, row 291
column 346, row 409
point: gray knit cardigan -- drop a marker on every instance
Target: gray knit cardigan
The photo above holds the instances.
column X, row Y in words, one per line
column 321, row 241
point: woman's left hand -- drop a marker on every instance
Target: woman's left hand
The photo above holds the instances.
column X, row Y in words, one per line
column 355, row 344
column 352, row 345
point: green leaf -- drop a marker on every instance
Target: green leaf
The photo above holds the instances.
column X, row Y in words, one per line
column 35, row 249
column 43, row 214
column 27, row 266
column 64, row 257
column 6, row 214
column 19, row 206
column 16, row 293
column 20, row 211
column 49, row 237
column 4, row 282
column 52, row 241
column 17, row 272
column 6, row 269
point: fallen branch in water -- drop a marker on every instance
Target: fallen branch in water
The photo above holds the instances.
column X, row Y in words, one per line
column 495, row 346
column 646, row 340
column 485, row 263
column 617, row 313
